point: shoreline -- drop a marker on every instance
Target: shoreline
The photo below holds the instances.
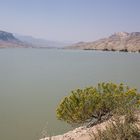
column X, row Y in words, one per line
column 49, row 48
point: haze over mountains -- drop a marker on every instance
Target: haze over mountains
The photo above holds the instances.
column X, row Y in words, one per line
column 42, row 43
column 10, row 40
column 121, row 41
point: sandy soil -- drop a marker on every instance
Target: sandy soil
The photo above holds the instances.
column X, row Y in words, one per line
column 81, row 133
column 84, row 133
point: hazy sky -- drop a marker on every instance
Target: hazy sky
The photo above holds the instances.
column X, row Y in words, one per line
column 73, row 20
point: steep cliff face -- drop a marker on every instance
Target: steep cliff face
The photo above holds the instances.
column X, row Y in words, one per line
column 121, row 41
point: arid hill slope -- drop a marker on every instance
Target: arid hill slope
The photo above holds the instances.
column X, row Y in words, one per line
column 121, row 41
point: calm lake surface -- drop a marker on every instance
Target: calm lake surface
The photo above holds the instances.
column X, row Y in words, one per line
column 33, row 81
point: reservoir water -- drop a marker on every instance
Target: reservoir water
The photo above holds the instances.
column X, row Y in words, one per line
column 33, row 82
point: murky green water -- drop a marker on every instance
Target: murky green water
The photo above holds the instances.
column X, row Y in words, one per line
column 33, row 81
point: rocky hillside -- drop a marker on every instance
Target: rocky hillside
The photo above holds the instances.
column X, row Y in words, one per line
column 121, row 41
column 8, row 40
column 84, row 133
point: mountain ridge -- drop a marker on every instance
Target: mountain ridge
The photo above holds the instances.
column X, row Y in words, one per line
column 8, row 40
column 6, row 36
column 42, row 43
column 120, row 41
column 13, row 40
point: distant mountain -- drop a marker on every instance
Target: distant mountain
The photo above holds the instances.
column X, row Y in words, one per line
column 42, row 43
column 5, row 36
column 121, row 41
column 8, row 40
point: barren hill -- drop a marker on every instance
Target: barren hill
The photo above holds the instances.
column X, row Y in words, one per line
column 121, row 41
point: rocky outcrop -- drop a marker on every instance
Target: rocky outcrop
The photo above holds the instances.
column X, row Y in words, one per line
column 121, row 41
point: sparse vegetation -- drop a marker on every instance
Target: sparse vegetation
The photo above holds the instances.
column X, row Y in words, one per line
column 124, row 127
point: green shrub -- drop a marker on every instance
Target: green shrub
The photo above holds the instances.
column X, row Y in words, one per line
column 96, row 104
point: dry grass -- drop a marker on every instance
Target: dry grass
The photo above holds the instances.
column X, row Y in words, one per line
column 126, row 128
